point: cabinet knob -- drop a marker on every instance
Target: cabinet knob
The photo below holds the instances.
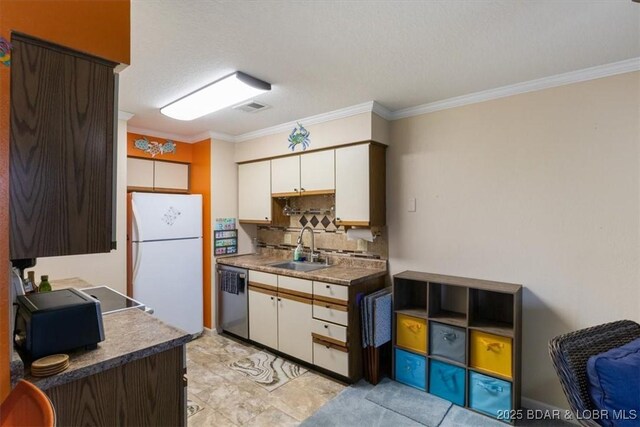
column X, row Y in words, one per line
column 327, row 306
column 328, row 287
column 326, row 326
column 279, row 299
column 338, row 219
column 266, row 217
column 302, row 189
column 295, row 189
column 271, row 298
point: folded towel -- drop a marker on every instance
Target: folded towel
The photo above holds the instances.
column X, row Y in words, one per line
column 382, row 320
column 231, row 282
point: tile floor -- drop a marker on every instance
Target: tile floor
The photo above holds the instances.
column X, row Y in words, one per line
column 229, row 398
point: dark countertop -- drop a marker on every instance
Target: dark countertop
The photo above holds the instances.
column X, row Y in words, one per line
column 343, row 271
column 129, row 335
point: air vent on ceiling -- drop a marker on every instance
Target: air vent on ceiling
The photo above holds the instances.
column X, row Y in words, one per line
column 251, row 107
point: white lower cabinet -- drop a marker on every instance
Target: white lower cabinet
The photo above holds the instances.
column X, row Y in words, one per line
column 263, row 317
column 332, row 358
column 295, row 324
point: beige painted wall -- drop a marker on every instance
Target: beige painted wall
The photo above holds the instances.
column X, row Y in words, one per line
column 99, row 269
column 224, row 201
column 328, row 134
column 540, row 189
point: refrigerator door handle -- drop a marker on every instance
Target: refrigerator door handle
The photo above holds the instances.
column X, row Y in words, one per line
column 137, row 249
column 136, row 226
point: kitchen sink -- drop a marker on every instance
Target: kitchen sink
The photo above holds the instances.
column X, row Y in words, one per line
column 300, row 266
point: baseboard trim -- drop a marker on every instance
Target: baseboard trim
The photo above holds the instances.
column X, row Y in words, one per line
column 537, row 405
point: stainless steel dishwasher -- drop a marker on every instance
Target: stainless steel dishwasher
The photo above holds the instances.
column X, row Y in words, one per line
column 233, row 309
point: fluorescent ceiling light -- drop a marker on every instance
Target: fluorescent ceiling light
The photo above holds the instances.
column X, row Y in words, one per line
column 229, row 90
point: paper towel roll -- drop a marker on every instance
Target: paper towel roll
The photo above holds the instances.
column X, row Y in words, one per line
column 360, row 233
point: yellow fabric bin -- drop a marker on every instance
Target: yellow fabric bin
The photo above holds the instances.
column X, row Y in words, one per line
column 411, row 333
column 491, row 353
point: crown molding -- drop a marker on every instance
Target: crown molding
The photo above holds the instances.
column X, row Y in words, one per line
column 220, row 136
column 382, row 111
column 365, row 107
column 620, row 67
column 123, row 115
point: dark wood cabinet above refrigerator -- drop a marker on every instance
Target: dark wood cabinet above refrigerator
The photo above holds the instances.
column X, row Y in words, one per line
column 62, row 151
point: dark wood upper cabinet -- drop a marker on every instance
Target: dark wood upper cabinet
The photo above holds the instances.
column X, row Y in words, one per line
column 61, row 151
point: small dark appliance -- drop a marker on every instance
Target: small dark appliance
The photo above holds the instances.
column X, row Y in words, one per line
column 56, row 322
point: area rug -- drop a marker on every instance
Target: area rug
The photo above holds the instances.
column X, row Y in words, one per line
column 267, row 370
column 193, row 408
column 424, row 408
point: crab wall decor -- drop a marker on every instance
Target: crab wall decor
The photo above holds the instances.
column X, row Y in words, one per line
column 5, row 51
column 299, row 136
column 153, row 147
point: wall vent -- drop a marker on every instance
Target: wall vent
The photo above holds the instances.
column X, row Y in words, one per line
column 251, row 107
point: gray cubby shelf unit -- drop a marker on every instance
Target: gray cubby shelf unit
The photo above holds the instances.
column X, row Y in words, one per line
column 484, row 316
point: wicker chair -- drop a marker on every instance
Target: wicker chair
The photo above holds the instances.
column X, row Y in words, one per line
column 570, row 352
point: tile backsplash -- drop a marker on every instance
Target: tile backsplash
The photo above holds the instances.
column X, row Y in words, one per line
column 318, row 212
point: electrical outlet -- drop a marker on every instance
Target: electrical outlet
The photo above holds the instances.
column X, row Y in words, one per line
column 287, row 238
column 362, row 245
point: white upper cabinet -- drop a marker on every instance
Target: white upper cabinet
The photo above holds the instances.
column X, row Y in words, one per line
column 361, row 185
column 285, row 176
column 254, row 192
column 157, row 175
column 352, row 185
column 139, row 173
column 171, row 176
column 317, row 172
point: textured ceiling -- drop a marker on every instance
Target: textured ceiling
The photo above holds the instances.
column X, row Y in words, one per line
column 326, row 55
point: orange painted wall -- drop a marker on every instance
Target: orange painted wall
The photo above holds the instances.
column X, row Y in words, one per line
column 183, row 153
column 199, row 156
column 201, row 184
column 98, row 27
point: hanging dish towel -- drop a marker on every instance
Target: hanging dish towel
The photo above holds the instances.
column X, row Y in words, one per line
column 230, row 282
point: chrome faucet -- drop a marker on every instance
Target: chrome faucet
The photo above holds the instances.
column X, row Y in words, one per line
column 313, row 255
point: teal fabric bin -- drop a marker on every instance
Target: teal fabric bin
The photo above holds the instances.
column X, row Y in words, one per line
column 411, row 369
column 447, row 341
column 447, row 381
column 489, row 395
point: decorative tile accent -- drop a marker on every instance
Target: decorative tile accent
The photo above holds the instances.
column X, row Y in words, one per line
column 267, row 370
column 325, row 222
column 193, row 408
column 303, row 220
column 314, row 221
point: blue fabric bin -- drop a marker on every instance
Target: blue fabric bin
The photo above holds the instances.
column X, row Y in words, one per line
column 411, row 369
column 447, row 381
column 489, row 395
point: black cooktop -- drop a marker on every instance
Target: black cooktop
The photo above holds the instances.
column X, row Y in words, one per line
column 111, row 300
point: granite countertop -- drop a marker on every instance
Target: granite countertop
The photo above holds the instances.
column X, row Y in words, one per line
column 129, row 335
column 344, row 271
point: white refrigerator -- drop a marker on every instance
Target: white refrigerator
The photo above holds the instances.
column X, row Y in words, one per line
column 166, row 257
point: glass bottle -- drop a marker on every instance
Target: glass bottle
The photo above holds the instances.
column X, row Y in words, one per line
column 45, row 286
column 30, row 284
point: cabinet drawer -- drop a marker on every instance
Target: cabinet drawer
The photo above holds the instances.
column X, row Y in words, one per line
column 330, row 330
column 331, row 357
column 490, row 353
column 411, row 369
column 260, row 278
column 447, row 381
column 330, row 292
column 447, row 341
column 299, row 287
column 411, row 333
column 330, row 312
column 489, row 395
